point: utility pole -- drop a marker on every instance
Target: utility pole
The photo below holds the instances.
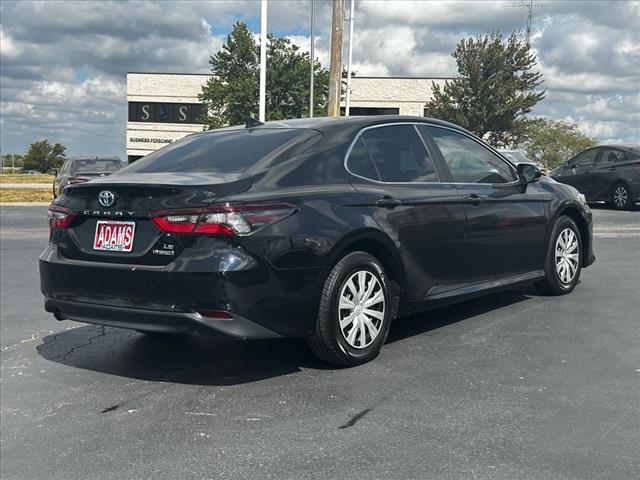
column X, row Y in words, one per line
column 312, row 56
column 263, row 59
column 335, row 65
column 530, row 6
column 529, row 18
column 348, row 99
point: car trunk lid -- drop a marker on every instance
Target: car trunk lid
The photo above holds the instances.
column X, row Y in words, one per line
column 134, row 198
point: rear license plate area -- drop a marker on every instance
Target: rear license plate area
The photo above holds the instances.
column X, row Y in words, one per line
column 114, row 236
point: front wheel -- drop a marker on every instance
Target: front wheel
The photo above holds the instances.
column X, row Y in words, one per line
column 563, row 263
column 355, row 312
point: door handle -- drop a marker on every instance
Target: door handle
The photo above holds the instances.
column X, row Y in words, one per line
column 388, row 202
column 474, row 199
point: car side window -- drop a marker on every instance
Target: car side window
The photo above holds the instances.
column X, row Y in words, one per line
column 584, row 159
column 399, row 155
column 610, row 156
column 360, row 162
column 468, row 160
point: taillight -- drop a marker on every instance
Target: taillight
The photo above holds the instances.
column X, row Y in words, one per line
column 226, row 219
column 77, row 180
column 60, row 217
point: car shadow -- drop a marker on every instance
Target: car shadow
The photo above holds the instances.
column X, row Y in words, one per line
column 441, row 317
column 193, row 359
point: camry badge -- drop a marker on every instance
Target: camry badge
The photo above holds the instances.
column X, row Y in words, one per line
column 106, row 198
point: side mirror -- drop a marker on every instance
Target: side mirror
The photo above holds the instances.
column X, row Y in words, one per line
column 528, row 172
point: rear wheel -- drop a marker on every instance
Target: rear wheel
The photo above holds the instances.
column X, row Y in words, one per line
column 621, row 197
column 564, row 259
column 355, row 312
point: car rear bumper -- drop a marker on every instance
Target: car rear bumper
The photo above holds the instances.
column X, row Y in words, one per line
column 236, row 327
column 263, row 302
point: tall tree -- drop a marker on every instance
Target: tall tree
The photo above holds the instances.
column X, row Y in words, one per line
column 495, row 88
column 553, row 142
column 231, row 95
column 43, row 156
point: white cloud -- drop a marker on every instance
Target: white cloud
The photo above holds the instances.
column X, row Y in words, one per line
column 64, row 63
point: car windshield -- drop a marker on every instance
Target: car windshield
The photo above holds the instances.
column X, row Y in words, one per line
column 224, row 151
column 95, row 166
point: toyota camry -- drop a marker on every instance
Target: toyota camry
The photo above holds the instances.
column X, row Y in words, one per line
column 325, row 228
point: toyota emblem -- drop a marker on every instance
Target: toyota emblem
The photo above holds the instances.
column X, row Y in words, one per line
column 106, row 198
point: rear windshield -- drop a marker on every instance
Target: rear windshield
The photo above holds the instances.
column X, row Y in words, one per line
column 95, row 166
column 224, row 151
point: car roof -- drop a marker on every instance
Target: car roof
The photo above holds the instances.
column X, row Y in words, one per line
column 325, row 123
column 622, row 146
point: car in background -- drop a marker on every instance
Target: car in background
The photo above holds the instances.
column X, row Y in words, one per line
column 609, row 173
column 324, row 228
column 32, row 172
column 82, row 169
column 518, row 156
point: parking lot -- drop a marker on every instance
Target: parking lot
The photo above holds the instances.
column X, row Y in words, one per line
column 512, row 386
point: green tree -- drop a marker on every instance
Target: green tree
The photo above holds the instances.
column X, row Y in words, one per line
column 231, row 95
column 495, row 88
column 43, row 156
column 554, row 142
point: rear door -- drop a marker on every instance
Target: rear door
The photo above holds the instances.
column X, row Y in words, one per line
column 506, row 221
column 395, row 173
column 612, row 167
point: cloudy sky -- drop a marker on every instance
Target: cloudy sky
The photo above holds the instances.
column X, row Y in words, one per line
column 64, row 64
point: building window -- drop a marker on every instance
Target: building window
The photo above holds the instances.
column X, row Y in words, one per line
column 357, row 111
column 155, row 112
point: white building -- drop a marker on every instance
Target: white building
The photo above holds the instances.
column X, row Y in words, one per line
column 164, row 107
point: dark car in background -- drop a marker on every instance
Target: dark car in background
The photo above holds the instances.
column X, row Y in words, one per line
column 82, row 169
column 325, row 228
column 609, row 173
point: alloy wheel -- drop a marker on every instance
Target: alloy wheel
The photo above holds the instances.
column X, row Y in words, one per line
column 620, row 196
column 567, row 255
column 361, row 309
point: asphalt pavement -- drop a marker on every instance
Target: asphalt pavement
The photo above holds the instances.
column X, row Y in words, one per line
column 509, row 386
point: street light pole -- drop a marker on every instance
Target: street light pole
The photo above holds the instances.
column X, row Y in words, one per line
column 335, row 65
column 312, row 56
column 263, row 59
column 348, row 99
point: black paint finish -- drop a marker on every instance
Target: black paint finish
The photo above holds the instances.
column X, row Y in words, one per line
column 438, row 241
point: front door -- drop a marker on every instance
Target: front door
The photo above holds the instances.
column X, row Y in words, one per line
column 578, row 172
column 506, row 221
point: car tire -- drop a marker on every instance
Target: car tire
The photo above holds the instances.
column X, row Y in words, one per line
column 356, row 309
column 563, row 262
column 621, row 196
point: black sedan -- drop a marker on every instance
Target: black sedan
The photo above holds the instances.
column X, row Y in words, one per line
column 83, row 169
column 609, row 173
column 325, row 228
